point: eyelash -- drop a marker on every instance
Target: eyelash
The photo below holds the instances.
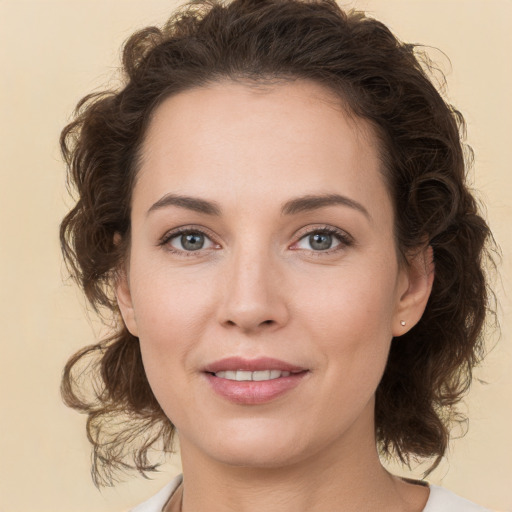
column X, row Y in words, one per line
column 344, row 238
column 164, row 241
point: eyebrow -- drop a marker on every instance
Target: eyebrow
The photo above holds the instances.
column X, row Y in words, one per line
column 190, row 203
column 315, row 202
column 292, row 207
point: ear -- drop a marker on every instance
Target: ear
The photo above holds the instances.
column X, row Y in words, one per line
column 123, row 295
column 415, row 288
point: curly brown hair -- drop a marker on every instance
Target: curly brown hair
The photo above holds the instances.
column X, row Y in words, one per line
column 377, row 78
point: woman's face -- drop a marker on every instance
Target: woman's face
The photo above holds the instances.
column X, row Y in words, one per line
column 262, row 241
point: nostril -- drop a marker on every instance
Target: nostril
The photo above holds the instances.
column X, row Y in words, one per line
column 247, row 323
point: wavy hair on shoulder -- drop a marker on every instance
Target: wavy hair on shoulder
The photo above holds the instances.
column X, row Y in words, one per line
column 425, row 161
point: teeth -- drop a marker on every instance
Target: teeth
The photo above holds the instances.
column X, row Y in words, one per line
column 263, row 375
column 244, row 375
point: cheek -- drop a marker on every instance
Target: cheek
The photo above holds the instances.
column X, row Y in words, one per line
column 172, row 310
column 167, row 300
column 351, row 325
column 358, row 301
column 169, row 330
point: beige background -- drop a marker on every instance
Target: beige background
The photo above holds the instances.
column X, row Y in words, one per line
column 52, row 52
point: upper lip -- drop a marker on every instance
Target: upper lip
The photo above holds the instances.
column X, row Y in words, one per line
column 252, row 365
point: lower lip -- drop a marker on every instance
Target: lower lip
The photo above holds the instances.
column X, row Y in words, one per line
column 252, row 392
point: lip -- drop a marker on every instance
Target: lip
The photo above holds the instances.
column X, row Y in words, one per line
column 251, row 365
column 253, row 392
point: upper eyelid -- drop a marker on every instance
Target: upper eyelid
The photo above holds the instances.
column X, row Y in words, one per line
column 172, row 233
column 301, row 233
column 330, row 229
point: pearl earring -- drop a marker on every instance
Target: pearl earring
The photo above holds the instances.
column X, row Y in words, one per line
column 402, row 323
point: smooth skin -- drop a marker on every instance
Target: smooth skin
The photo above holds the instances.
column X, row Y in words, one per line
column 249, row 280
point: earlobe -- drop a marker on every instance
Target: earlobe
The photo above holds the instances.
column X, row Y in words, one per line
column 419, row 278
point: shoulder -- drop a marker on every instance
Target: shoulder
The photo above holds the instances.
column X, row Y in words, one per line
column 157, row 502
column 442, row 500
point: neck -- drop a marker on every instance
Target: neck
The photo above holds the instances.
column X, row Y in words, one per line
column 345, row 476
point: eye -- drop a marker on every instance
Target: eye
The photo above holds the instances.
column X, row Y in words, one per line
column 326, row 239
column 187, row 241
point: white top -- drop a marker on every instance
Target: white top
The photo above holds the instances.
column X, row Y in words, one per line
column 440, row 500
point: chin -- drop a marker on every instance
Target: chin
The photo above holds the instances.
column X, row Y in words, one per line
column 257, row 458
column 258, row 448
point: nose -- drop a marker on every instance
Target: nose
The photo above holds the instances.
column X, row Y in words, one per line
column 254, row 292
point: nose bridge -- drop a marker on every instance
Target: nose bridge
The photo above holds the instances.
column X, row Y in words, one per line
column 253, row 292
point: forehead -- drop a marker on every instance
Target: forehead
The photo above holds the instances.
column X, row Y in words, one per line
column 284, row 138
column 220, row 109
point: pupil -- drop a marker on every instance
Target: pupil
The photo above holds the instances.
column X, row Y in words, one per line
column 320, row 241
column 192, row 242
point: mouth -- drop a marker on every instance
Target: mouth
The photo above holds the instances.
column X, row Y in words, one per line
column 253, row 381
column 258, row 376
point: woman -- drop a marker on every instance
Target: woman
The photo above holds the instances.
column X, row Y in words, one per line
column 275, row 206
